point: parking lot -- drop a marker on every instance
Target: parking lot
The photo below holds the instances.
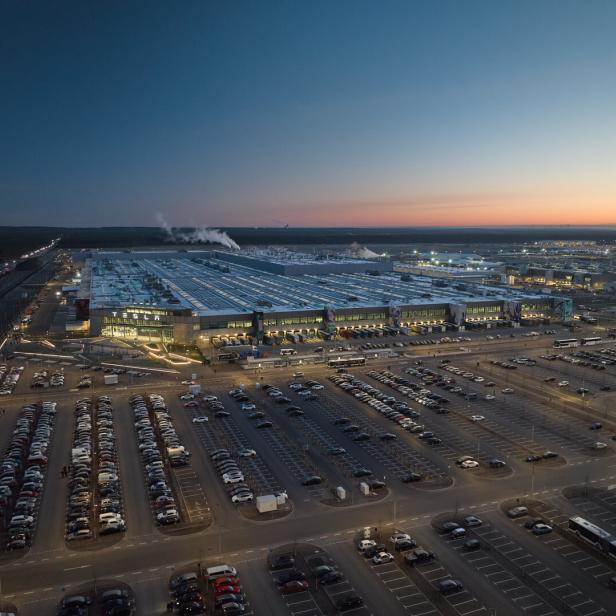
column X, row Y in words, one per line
column 397, row 457
column 540, row 425
column 561, row 589
column 598, row 505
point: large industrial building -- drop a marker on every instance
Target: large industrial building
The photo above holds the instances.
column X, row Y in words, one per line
column 197, row 296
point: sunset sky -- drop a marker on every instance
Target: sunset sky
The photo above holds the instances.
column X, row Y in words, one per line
column 319, row 113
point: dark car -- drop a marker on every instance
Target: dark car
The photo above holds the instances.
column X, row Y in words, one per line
column 411, row 477
column 282, row 561
column 418, row 556
column 533, row 458
column 472, row 544
column 362, row 472
column 349, row 602
column 362, row 436
column 331, row 577
column 496, row 463
column 290, row 576
column 448, row 586
column 375, row 549
column 405, row 544
column 447, row 527
column 313, row 480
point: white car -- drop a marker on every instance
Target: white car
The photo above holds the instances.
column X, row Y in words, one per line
column 242, row 497
column 477, row 417
column 563, row 383
column 489, row 397
column 188, row 382
column 396, row 537
column 233, row 478
column 599, row 445
column 248, row 406
column 507, row 390
column 298, row 375
column 210, row 398
column 246, row 453
column 187, row 397
column 382, row 558
column 364, row 544
column 469, row 464
column 201, row 419
column 317, row 387
column 21, row 520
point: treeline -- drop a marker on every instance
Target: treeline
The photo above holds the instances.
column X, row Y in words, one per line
column 15, row 241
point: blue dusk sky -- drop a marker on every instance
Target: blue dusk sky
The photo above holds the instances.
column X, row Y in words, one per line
column 334, row 113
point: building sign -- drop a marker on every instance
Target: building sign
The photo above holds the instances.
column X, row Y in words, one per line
column 138, row 316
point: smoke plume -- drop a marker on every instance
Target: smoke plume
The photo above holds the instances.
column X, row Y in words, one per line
column 200, row 235
column 361, row 252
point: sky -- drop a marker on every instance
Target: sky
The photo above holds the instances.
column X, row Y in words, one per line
column 320, row 113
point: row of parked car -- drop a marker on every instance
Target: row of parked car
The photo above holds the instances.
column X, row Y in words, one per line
column 248, row 406
column 45, row 378
column 22, row 473
column 398, row 412
column 110, row 602
column 108, row 486
column 80, row 500
column 94, row 450
column 159, row 488
column 189, row 592
column 9, row 378
column 232, row 475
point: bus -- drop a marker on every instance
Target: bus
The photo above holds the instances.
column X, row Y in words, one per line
column 591, row 340
column 292, row 337
column 346, row 362
column 569, row 342
column 284, row 352
column 594, row 535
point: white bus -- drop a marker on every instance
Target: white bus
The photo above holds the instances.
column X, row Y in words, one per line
column 346, row 362
column 284, row 352
column 569, row 342
column 594, row 535
column 592, row 340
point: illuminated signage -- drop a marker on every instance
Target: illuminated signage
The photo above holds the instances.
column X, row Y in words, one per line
column 144, row 316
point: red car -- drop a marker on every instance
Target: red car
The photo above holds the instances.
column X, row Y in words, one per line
column 294, row 586
column 191, row 405
column 226, row 581
column 229, row 589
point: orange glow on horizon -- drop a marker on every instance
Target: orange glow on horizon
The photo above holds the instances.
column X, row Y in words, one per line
column 497, row 211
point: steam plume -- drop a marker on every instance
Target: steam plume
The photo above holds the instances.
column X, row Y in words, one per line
column 201, row 235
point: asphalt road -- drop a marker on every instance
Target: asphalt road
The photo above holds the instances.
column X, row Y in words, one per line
column 145, row 557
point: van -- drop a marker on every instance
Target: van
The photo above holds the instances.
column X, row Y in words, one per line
column 220, row 571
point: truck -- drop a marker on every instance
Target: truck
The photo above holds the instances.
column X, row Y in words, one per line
column 110, row 379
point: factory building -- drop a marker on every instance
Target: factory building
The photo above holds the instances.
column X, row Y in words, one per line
column 195, row 297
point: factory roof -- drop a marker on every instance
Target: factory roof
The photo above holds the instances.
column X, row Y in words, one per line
column 211, row 287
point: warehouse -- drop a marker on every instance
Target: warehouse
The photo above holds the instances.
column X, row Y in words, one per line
column 194, row 297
